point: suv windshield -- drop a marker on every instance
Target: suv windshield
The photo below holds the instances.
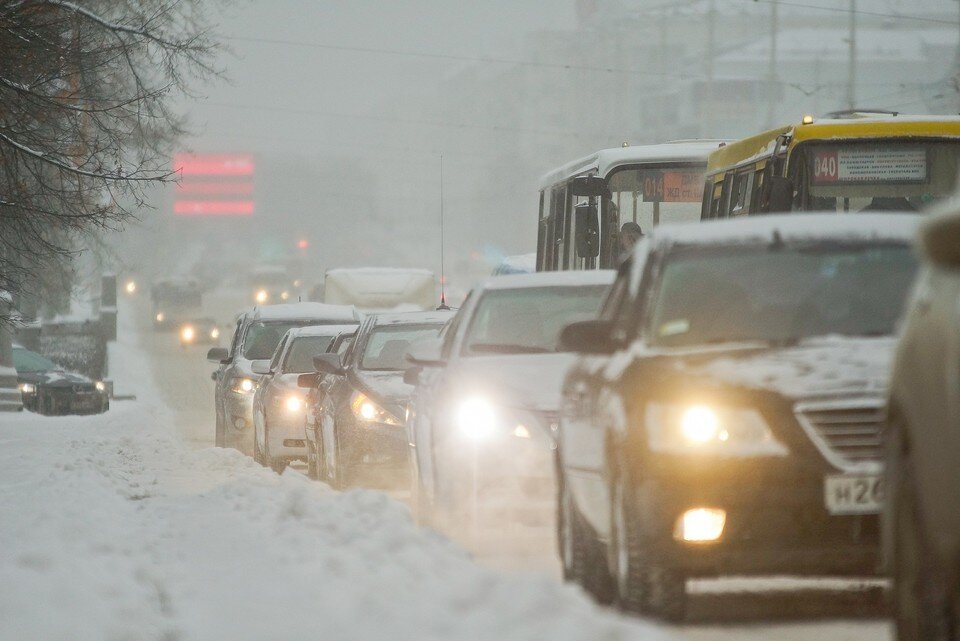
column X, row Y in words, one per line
column 529, row 320
column 387, row 346
column 26, row 361
column 300, row 355
column 262, row 338
column 781, row 294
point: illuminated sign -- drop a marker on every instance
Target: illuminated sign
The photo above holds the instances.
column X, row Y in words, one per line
column 859, row 164
column 214, row 185
column 672, row 186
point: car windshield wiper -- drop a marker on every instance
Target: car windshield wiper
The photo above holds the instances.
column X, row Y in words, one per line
column 508, row 348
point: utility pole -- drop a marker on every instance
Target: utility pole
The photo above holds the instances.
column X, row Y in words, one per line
column 711, row 53
column 852, row 60
column 772, row 66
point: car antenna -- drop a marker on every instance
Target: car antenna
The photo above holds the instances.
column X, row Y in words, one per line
column 776, row 243
column 443, row 294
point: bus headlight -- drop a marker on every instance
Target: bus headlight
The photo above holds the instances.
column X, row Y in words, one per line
column 477, row 418
column 712, row 430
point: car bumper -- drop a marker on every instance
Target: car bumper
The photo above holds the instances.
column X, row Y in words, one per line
column 286, row 437
column 238, row 411
column 774, row 525
column 377, row 452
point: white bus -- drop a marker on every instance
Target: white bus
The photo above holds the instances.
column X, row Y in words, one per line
column 584, row 203
column 381, row 289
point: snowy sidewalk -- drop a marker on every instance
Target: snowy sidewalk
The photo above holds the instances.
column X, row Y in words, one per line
column 111, row 528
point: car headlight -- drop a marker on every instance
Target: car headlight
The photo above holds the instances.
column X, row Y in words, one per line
column 262, row 296
column 101, row 387
column 242, row 385
column 187, row 334
column 131, row 287
column 215, row 333
column 27, row 388
column 477, row 418
column 369, row 411
column 293, row 404
column 284, row 295
column 704, row 429
column 160, row 317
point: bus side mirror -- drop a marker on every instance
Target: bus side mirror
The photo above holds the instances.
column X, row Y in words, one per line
column 588, row 186
column 780, row 194
column 586, row 230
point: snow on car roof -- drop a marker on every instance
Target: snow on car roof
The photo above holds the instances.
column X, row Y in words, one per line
column 379, row 270
column 298, row 311
column 551, row 279
column 605, row 160
column 795, row 226
column 411, row 318
column 322, row 330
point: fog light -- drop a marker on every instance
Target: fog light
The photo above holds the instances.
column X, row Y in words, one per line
column 700, row 525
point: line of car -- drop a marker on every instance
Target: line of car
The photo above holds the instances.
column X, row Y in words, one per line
column 716, row 406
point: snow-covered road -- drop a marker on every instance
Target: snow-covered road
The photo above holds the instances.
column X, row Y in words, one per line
column 126, row 527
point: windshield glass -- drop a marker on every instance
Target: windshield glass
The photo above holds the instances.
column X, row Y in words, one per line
column 26, row 361
column 781, row 295
column 387, row 346
column 300, row 355
column 262, row 338
column 897, row 176
column 667, row 194
column 529, row 320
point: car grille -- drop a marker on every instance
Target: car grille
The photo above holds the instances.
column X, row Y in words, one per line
column 848, row 433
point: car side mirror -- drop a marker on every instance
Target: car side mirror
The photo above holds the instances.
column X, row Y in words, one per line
column 940, row 240
column 588, row 337
column 411, row 375
column 308, row 380
column 261, row 367
column 218, row 355
column 780, row 198
column 328, row 364
column 586, row 230
column 427, row 353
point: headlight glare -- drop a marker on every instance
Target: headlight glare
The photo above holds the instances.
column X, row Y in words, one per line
column 710, row 430
column 27, row 388
column 367, row 410
column 294, row 404
column 242, row 385
column 187, row 334
column 215, row 333
column 101, row 387
column 262, row 296
column 477, row 418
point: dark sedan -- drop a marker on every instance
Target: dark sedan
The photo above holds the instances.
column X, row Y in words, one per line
column 358, row 418
column 725, row 416
column 48, row 389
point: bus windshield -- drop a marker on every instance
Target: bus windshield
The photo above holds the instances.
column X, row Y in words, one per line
column 892, row 176
column 651, row 196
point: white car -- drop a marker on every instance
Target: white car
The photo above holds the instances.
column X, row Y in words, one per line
column 483, row 415
column 279, row 404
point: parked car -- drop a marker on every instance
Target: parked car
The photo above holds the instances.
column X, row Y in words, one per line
column 725, row 416
column 48, row 389
column 312, row 384
column 199, row 331
column 361, row 402
column 484, row 414
column 255, row 337
column 278, row 402
column 922, row 515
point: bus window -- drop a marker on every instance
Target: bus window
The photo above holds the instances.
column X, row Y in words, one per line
column 661, row 195
column 543, row 228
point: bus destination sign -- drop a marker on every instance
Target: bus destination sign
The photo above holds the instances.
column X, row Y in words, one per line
column 668, row 186
column 845, row 165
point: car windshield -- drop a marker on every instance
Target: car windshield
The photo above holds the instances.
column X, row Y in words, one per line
column 26, row 361
column 300, row 355
column 780, row 294
column 262, row 338
column 530, row 319
column 387, row 346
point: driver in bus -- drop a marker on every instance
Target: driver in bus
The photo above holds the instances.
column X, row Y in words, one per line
column 630, row 233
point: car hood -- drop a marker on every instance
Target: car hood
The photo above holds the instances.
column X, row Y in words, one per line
column 828, row 366
column 530, row 381
column 54, row 378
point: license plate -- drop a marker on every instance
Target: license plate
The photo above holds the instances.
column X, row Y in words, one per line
column 853, row 494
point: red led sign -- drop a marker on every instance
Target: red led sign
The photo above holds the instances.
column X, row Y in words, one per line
column 214, row 185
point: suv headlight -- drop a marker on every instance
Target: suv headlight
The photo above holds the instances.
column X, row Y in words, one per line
column 27, row 388
column 369, row 411
column 242, row 385
column 705, row 429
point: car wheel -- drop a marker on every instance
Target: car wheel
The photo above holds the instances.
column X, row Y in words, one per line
column 581, row 555
column 921, row 609
column 642, row 584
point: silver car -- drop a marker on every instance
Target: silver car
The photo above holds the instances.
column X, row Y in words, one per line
column 278, row 402
column 922, row 514
column 256, row 336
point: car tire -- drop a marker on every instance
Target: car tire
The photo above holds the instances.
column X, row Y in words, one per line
column 642, row 583
column 921, row 607
column 582, row 556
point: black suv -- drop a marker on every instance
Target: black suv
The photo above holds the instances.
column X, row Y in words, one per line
column 724, row 416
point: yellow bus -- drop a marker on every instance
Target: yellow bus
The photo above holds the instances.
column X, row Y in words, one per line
column 844, row 162
column 584, row 203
